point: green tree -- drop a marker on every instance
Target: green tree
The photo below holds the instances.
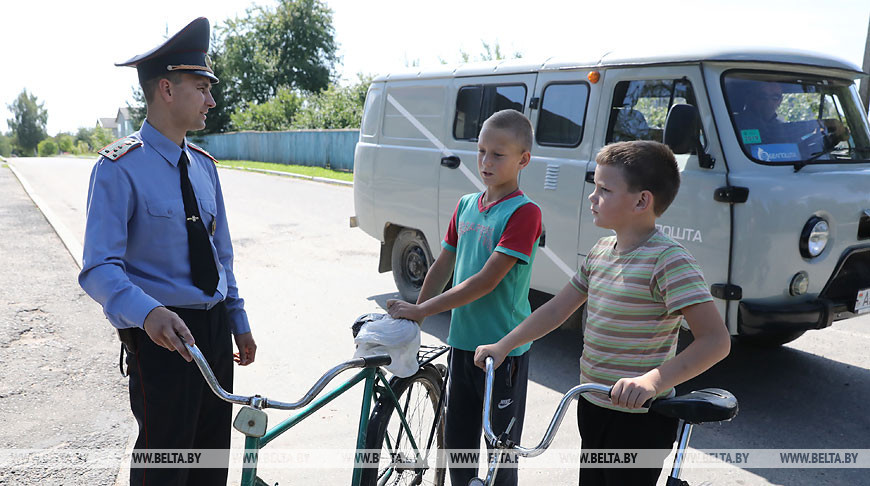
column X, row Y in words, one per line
column 138, row 109
column 336, row 107
column 81, row 147
column 5, row 146
column 28, row 121
column 491, row 52
column 84, row 134
column 275, row 114
column 65, row 142
column 291, row 46
column 218, row 119
column 100, row 137
column 47, row 148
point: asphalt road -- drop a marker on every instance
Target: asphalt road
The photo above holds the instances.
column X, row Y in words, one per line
column 306, row 275
column 60, row 389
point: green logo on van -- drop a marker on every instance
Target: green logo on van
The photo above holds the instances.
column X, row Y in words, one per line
column 750, row 136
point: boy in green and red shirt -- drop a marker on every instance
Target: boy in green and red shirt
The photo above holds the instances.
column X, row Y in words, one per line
column 640, row 285
column 488, row 250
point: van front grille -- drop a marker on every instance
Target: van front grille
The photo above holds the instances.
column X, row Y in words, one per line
column 851, row 275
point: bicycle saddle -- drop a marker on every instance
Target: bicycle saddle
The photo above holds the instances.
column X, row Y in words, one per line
column 699, row 406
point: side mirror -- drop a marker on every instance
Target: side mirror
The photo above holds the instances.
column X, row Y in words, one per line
column 683, row 133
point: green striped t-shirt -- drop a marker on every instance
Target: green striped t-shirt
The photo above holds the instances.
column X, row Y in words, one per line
column 633, row 309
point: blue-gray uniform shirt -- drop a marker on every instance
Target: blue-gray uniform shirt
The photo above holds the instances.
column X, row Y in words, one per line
column 136, row 251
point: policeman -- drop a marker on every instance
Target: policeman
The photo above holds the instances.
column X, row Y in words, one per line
column 158, row 258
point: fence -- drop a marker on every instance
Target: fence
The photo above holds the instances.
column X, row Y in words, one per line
column 321, row 148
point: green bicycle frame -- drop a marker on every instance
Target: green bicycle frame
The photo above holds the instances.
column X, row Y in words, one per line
column 371, row 376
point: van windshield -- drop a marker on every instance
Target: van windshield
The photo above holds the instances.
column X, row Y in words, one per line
column 790, row 118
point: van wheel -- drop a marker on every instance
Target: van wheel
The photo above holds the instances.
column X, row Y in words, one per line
column 411, row 261
column 770, row 339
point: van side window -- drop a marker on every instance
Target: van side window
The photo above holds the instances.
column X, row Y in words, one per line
column 465, row 125
column 474, row 104
column 369, row 125
column 640, row 108
column 563, row 110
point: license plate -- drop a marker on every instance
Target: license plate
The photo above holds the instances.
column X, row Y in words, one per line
column 862, row 303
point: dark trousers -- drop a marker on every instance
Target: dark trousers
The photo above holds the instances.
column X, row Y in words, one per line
column 463, row 420
column 174, row 406
column 602, row 428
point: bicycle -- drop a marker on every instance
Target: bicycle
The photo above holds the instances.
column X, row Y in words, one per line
column 693, row 408
column 405, row 423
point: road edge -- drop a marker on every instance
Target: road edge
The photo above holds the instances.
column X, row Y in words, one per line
column 325, row 180
column 69, row 241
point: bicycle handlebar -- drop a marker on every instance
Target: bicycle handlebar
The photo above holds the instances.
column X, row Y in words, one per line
column 259, row 402
column 554, row 423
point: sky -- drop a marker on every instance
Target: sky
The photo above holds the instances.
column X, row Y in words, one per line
column 64, row 52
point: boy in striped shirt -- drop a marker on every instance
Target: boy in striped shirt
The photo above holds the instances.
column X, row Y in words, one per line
column 639, row 284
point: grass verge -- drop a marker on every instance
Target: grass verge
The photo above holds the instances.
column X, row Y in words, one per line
column 293, row 169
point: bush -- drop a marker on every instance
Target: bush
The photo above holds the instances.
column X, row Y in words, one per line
column 336, row 107
column 99, row 138
column 47, row 148
column 275, row 114
column 65, row 142
column 81, row 147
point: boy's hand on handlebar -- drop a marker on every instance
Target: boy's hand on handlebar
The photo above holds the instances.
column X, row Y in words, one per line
column 399, row 309
column 632, row 392
column 167, row 330
column 498, row 355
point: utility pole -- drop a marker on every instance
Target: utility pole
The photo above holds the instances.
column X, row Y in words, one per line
column 864, row 90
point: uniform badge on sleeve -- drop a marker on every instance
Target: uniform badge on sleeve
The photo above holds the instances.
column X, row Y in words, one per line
column 119, row 148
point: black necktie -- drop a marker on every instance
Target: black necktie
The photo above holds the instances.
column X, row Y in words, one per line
column 202, row 264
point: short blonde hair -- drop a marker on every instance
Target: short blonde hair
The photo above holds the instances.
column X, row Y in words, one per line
column 515, row 122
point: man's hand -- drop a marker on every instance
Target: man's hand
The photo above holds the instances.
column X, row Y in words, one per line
column 167, row 330
column 247, row 349
column 399, row 309
column 632, row 392
column 494, row 350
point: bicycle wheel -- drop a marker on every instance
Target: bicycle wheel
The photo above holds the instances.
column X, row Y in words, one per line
column 418, row 401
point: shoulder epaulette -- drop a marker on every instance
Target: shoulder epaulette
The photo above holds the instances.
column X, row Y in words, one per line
column 202, row 151
column 119, row 148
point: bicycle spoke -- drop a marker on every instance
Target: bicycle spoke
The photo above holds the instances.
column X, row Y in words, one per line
column 401, row 441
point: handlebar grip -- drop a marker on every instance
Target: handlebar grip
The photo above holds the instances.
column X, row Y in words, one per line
column 375, row 361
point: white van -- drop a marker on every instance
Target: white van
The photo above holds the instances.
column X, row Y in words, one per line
column 773, row 147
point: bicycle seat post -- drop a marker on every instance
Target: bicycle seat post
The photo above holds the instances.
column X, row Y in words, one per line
column 683, row 437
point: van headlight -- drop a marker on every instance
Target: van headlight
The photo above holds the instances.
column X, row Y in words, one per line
column 814, row 237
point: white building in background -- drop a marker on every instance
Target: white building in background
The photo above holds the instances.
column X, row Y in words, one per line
column 121, row 125
column 107, row 124
column 124, row 123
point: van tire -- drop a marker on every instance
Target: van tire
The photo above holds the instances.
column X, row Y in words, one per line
column 769, row 339
column 410, row 261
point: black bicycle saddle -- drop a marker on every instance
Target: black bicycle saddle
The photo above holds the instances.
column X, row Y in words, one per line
column 699, row 406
